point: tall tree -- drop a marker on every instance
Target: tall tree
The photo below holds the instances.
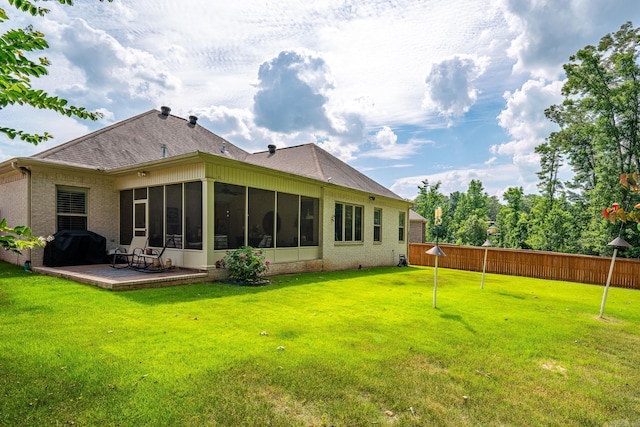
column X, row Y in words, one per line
column 471, row 215
column 599, row 126
column 428, row 199
column 17, row 70
column 512, row 220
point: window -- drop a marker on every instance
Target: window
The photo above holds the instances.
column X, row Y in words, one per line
column 126, row 217
column 173, row 215
column 309, row 220
column 377, row 224
column 155, row 204
column 401, row 219
column 348, row 223
column 288, row 207
column 71, row 208
column 193, row 214
column 230, row 218
column 264, row 223
column 161, row 213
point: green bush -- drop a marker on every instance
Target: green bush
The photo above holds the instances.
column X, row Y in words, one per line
column 245, row 265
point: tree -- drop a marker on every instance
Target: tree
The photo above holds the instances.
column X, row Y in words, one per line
column 512, row 220
column 19, row 238
column 599, row 129
column 17, row 70
column 471, row 210
column 428, row 199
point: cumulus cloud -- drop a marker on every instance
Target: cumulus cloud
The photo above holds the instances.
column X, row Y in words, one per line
column 450, row 90
column 292, row 93
column 106, row 72
column 228, row 122
column 293, row 104
column 549, row 31
column 524, row 119
column 386, row 146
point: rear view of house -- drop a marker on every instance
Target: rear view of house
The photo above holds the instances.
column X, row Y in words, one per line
column 162, row 177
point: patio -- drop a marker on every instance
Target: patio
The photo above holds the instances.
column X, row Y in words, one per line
column 124, row 279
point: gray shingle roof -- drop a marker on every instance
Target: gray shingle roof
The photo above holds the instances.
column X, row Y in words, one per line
column 311, row 161
column 415, row 216
column 139, row 140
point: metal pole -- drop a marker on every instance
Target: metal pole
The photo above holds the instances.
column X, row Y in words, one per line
column 435, row 282
column 484, row 268
column 606, row 288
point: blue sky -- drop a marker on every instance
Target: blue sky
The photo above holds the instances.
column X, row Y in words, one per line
column 443, row 90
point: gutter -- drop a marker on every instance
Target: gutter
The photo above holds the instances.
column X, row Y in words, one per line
column 25, row 171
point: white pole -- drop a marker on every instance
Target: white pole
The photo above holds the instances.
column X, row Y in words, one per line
column 606, row 288
column 484, row 268
column 435, row 282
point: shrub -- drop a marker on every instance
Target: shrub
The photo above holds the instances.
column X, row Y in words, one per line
column 245, row 264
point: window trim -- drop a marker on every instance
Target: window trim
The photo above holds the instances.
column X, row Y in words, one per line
column 357, row 224
column 77, row 190
column 402, row 227
column 377, row 225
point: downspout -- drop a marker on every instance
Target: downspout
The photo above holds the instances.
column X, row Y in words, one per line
column 25, row 171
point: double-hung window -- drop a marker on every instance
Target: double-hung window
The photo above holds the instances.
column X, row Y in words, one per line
column 401, row 226
column 71, row 208
column 377, row 224
column 348, row 223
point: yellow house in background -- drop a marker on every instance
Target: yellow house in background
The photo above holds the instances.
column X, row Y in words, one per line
column 159, row 176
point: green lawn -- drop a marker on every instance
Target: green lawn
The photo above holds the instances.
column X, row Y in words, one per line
column 355, row 348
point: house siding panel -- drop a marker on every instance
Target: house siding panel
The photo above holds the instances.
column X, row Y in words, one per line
column 343, row 256
column 103, row 205
column 13, row 207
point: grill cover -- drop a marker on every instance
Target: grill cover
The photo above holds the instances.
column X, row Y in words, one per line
column 75, row 247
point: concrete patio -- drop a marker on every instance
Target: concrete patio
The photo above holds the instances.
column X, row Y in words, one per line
column 124, row 279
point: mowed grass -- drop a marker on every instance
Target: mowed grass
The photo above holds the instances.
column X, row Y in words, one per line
column 354, row 348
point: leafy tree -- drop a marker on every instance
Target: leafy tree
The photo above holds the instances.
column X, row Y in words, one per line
column 18, row 238
column 428, row 199
column 17, row 70
column 512, row 220
column 472, row 231
column 550, row 161
column 599, row 131
column 472, row 209
column 553, row 226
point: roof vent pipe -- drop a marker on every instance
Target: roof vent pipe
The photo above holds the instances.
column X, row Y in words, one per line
column 272, row 148
column 193, row 120
column 165, row 110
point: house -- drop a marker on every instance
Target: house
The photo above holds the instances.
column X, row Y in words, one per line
column 417, row 227
column 160, row 176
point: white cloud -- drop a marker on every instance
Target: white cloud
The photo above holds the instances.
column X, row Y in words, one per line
column 493, row 180
column 292, row 92
column 524, row 119
column 548, row 31
column 450, row 90
column 386, row 146
column 385, row 138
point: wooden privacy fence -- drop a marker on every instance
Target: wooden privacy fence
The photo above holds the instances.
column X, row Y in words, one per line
column 537, row 264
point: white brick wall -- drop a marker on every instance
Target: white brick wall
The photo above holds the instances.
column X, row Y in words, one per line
column 13, row 207
column 344, row 256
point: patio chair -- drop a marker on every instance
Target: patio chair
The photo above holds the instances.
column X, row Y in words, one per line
column 150, row 260
column 130, row 255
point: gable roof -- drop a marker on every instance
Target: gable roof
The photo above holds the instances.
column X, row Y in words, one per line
column 415, row 216
column 139, row 140
column 311, row 161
